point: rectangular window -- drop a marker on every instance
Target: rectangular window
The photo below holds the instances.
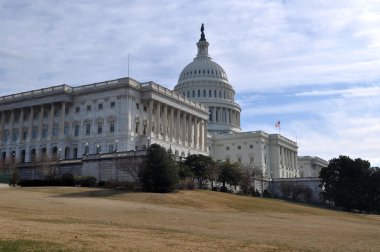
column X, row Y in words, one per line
column 137, row 106
column 100, row 106
column 76, row 130
column 66, row 129
column 110, row 148
column 227, row 148
column 15, row 135
column 112, row 126
column 214, row 93
column 100, row 127
column 112, row 104
column 75, row 153
column 144, row 108
column 77, row 109
column 204, row 92
column 88, row 129
column 239, row 147
column 24, row 134
column 44, row 131
column 55, row 131
column 199, row 93
column 209, row 93
column 34, row 132
column 251, row 159
column 88, row 108
column 251, row 146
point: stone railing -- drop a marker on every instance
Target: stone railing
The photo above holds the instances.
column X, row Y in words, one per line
column 37, row 93
column 170, row 93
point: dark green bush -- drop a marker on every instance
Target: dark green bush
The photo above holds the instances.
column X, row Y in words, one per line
column 86, row 181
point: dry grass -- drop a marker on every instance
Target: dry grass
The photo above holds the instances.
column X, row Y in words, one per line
column 107, row 220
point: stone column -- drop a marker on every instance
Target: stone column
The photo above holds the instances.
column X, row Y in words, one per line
column 40, row 122
column 172, row 128
column 165, row 121
column 183, row 131
column 196, row 132
column 158, row 123
column 21, row 122
column 2, row 125
column 11, row 126
column 51, row 120
column 178, row 130
column 150, row 114
column 205, row 135
column 30, row 124
column 62, row 120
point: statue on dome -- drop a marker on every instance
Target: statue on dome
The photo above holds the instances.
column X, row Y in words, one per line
column 203, row 38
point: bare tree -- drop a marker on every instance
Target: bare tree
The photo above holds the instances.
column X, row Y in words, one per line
column 10, row 166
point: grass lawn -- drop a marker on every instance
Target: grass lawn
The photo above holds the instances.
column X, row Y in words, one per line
column 83, row 219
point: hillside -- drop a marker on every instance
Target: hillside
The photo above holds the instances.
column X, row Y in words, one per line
column 72, row 219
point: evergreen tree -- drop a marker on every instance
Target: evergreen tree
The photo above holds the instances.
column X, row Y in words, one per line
column 159, row 172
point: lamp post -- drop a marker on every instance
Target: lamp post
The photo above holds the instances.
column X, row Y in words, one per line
column 116, row 141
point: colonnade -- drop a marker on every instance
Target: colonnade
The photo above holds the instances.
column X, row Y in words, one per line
column 224, row 116
column 288, row 158
column 175, row 125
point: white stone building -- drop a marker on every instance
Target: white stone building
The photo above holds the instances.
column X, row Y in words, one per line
column 206, row 81
column 310, row 166
column 199, row 117
column 116, row 115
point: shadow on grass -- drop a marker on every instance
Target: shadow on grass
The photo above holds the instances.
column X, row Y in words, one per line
column 29, row 245
column 96, row 193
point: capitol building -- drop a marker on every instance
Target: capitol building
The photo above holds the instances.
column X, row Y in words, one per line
column 200, row 116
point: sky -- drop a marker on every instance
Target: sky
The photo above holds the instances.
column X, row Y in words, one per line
column 312, row 65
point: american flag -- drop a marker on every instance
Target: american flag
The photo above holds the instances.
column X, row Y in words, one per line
column 277, row 124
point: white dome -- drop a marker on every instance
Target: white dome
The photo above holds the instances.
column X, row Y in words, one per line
column 206, row 82
column 202, row 67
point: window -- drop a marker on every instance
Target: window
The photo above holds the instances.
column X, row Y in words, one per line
column 214, row 93
column 112, row 104
column 199, row 93
column 24, row 134
column 220, row 94
column 76, row 130
column 228, row 148
column 75, row 153
column 137, row 106
column 251, row 159
column 15, row 134
column 66, row 129
column 251, row 146
column 145, row 109
column 210, row 115
column 239, row 147
column 44, row 131
column 204, row 92
column 77, row 109
column 112, row 126
column 209, row 93
column 100, row 127
column 88, row 128
column 239, row 159
column 193, row 93
column 100, row 106
column 55, row 130
column 34, row 132
column 88, row 108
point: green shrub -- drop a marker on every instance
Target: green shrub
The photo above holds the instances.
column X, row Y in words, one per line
column 67, row 179
column 86, row 181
